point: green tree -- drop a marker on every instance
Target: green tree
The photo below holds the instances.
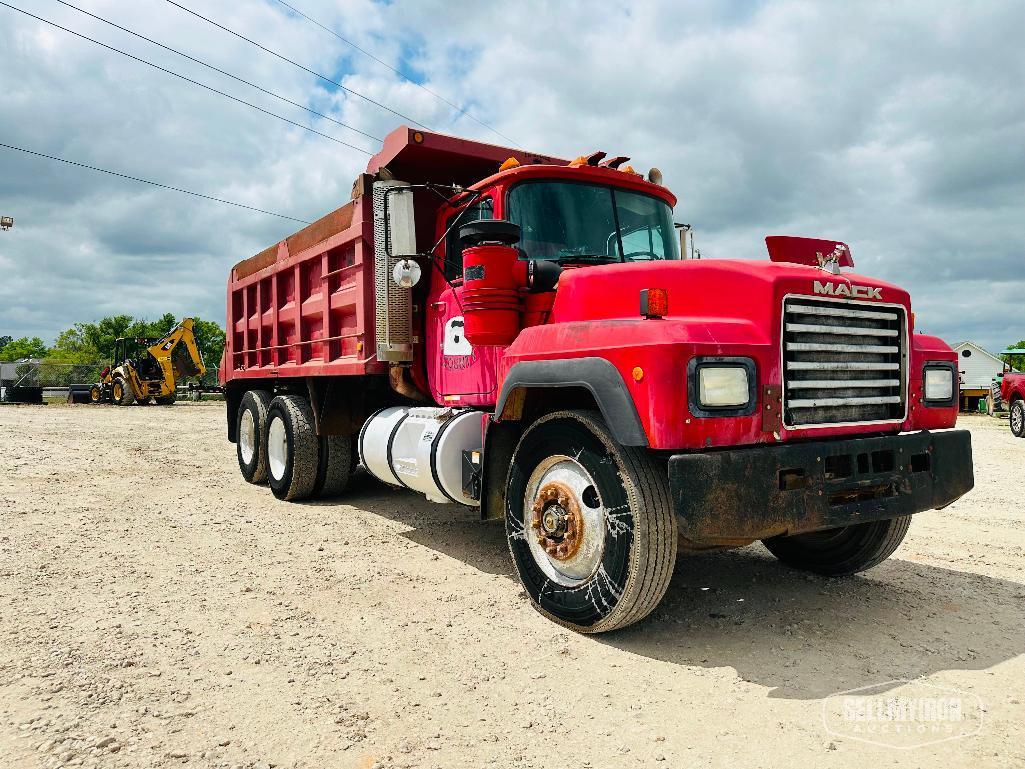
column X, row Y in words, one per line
column 1017, row 361
column 99, row 336
column 4, row 341
column 91, row 342
column 210, row 340
column 24, row 347
column 74, row 344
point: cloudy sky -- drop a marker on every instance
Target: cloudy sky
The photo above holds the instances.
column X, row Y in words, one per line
column 898, row 127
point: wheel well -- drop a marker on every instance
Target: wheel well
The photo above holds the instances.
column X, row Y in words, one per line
column 543, row 386
column 233, row 399
column 527, row 404
column 340, row 404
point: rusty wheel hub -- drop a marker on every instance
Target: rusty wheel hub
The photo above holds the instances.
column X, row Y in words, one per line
column 557, row 522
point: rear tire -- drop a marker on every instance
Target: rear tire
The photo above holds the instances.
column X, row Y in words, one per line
column 123, row 394
column 1018, row 418
column 250, row 435
column 292, row 448
column 843, row 551
column 335, row 465
column 570, row 477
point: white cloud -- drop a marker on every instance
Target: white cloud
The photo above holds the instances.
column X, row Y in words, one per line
column 898, row 128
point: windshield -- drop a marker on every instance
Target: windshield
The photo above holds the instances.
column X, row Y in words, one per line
column 570, row 221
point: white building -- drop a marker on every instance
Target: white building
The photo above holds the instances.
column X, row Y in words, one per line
column 978, row 368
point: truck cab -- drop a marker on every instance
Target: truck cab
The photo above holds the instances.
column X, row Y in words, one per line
column 521, row 334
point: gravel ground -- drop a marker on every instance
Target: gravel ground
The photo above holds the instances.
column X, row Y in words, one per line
column 157, row 611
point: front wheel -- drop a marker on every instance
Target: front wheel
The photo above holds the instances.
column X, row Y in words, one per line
column 1018, row 418
column 843, row 551
column 589, row 524
column 95, row 394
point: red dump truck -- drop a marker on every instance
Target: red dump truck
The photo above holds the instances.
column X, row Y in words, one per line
column 520, row 334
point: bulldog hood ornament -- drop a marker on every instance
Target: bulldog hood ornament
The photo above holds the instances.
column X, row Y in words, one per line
column 831, row 262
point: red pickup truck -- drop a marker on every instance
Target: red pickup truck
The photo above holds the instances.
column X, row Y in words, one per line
column 1012, row 393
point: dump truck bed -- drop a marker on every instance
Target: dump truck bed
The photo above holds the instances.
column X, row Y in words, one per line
column 304, row 307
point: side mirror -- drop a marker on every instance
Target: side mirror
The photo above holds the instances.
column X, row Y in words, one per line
column 682, row 230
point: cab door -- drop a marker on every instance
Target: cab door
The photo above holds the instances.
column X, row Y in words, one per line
column 460, row 374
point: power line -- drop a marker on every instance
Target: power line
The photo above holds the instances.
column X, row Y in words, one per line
column 365, row 52
column 188, row 80
column 221, row 71
column 147, row 181
column 297, row 64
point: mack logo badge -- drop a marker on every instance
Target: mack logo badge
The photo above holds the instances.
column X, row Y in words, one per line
column 842, row 289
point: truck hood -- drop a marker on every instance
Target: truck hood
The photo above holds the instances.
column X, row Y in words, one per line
column 718, row 289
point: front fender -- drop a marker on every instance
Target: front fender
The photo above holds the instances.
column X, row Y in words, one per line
column 596, row 375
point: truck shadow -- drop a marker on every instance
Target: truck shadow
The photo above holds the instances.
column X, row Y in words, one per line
column 451, row 530
column 802, row 636
column 806, row 636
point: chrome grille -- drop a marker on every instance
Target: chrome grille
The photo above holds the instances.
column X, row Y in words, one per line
column 843, row 362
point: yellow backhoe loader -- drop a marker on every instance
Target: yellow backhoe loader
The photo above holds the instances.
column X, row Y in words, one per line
column 147, row 369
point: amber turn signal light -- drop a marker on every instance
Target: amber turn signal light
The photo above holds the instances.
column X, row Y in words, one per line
column 654, row 302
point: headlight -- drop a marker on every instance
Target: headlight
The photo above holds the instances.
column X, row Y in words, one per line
column 722, row 387
column 719, row 386
column 939, row 383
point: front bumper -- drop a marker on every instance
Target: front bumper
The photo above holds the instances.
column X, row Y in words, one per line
column 727, row 497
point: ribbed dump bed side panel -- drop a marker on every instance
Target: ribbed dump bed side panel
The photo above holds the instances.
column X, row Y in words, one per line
column 843, row 362
column 305, row 306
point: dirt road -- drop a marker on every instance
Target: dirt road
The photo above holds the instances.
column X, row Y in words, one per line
column 157, row 611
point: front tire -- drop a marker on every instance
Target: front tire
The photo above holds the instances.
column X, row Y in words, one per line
column 292, row 448
column 1018, row 418
column 95, row 394
column 843, row 551
column 589, row 523
column 250, row 435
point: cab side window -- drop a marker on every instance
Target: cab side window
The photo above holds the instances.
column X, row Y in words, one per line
column 479, row 209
